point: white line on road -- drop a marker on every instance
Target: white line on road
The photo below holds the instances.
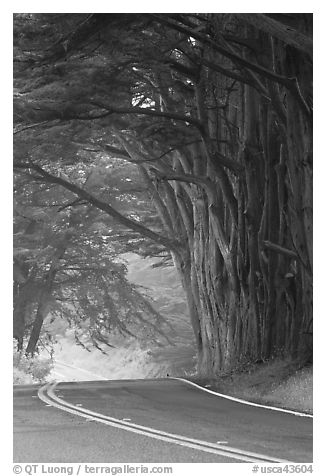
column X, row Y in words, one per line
column 239, row 400
column 63, row 377
column 47, row 395
column 59, row 362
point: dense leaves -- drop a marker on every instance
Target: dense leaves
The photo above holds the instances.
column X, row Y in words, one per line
column 66, row 267
column 206, row 119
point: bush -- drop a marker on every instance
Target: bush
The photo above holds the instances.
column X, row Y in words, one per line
column 21, row 377
column 30, row 369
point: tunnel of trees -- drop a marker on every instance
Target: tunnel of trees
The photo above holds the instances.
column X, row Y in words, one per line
column 184, row 136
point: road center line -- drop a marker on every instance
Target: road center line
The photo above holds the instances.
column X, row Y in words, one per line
column 47, row 395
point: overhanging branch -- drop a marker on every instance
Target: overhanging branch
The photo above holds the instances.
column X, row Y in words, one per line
column 285, row 33
column 280, row 249
column 83, row 194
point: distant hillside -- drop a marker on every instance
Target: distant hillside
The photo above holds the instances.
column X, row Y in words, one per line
column 132, row 359
column 163, row 285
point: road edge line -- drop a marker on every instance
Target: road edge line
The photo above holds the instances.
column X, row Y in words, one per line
column 76, row 411
column 46, row 394
column 240, row 400
column 101, row 377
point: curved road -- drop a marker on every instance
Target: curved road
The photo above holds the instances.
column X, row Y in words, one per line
column 147, row 421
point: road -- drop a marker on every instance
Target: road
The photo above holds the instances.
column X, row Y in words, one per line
column 147, row 421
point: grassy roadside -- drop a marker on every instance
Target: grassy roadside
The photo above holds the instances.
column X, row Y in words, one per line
column 277, row 383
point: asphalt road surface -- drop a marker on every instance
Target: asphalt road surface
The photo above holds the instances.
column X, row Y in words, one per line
column 150, row 421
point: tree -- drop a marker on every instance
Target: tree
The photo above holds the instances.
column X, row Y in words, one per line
column 66, row 266
column 215, row 111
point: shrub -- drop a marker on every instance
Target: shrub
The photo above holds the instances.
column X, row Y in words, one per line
column 30, row 369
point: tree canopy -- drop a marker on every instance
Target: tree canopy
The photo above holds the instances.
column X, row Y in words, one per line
column 66, row 265
column 193, row 133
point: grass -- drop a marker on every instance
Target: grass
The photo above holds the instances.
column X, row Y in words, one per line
column 295, row 393
column 280, row 383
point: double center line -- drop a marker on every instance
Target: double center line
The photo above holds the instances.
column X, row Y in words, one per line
column 47, row 395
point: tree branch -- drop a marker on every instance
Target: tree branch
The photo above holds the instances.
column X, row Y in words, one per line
column 280, row 249
column 83, row 194
column 285, row 33
column 223, row 51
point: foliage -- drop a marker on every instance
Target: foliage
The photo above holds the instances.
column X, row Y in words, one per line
column 212, row 114
column 21, row 378
column 66, row 261
column 30, row 369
